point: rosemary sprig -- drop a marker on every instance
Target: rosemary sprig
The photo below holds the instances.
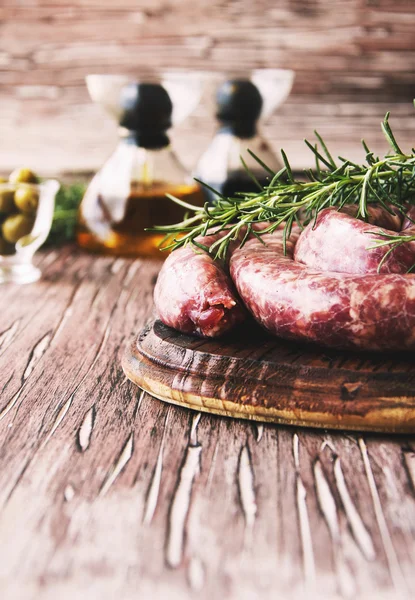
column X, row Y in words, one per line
column 389, row 181
column 393, row 241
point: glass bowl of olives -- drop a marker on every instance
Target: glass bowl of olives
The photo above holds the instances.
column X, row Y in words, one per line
column 26, row 213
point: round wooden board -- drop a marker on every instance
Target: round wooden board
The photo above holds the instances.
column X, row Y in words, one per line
column 251, row 375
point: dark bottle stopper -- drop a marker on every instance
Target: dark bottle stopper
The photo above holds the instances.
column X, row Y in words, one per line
column 239, row 107
column 146, row 113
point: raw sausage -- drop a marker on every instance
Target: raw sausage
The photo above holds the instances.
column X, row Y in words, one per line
column 377, row 215
column 314, row 300
column 409, row 222
column 295, row 301
column 195, row 295
column 338, row 242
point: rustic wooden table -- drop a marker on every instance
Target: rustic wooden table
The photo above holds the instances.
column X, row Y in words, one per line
column 107, row 493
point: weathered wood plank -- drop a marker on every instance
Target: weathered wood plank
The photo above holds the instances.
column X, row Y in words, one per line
column 343, row 52
column 342, row 123
column 107, row 492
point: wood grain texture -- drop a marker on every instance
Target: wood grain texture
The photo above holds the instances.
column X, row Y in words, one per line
column 354, row 60
column 250, row 374
column 108, row 493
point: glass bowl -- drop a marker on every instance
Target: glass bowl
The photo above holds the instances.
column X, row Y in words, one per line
column 26, row 213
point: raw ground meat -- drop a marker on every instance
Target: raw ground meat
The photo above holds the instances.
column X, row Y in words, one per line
column 294, row 301
column 195, row 295
column 377, row 215
column 338, row 242
column 337, row 299
column 408, row 226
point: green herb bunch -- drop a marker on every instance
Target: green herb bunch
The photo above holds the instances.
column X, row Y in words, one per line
column 67, row 204
column 387, row 181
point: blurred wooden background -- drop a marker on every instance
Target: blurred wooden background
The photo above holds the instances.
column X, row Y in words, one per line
column 354, row 59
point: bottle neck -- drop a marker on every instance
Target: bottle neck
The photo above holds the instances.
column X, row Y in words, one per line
column 240, row 129
column 154, row 140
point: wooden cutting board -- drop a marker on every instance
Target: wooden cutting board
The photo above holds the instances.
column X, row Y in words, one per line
column 251, row 375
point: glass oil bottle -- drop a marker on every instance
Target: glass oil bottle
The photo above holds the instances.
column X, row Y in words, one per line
column 128, row 194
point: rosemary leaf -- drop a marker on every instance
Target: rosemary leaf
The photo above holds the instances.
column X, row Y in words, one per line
column 387, row 181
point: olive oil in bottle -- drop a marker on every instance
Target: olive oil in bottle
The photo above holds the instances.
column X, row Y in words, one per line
column 144, row 208
column 128, row 194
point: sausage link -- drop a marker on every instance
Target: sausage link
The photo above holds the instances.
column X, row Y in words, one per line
column 339, row 243
column 195, row 295
column 295, row 301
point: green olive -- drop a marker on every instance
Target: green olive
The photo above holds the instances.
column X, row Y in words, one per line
column 22, row 176
column 6, row 200
column 16, row 226
column 6, row 248
column 26, row 199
